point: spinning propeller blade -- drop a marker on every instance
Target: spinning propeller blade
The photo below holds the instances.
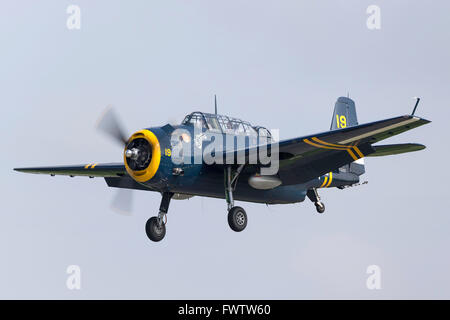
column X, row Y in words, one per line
column 109, row 124
column 122, row 202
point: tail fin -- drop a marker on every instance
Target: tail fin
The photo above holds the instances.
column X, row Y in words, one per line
column 344, row 116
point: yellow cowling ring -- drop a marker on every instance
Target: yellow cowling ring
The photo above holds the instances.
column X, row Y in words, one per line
column 150, row 171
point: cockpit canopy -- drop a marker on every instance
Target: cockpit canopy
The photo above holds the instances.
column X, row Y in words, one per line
column 224, row 124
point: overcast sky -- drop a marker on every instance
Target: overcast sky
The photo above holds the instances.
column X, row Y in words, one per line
column 280, row 64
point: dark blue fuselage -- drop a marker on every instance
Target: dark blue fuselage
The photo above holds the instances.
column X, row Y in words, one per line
column 201, row 179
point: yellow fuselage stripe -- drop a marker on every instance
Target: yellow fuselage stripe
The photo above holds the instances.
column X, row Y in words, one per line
column 324, row 182
column 93, row 166
column 87, row 166
column 329, row 180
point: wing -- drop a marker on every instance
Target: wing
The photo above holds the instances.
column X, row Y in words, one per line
column 88, row 170
column 308, row 157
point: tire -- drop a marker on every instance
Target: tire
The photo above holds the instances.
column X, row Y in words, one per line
column 154, row 231
column 237, row 219
column 320, row 207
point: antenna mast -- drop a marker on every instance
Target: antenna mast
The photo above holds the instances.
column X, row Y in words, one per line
column 215, row 104
column 415, row 107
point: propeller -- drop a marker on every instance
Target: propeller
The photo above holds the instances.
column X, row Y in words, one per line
column 110, row 125
column 122, row 203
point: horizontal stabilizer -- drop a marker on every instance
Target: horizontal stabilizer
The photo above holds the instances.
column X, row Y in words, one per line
column 391, row 149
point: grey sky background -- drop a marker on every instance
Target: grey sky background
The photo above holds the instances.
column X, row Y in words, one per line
column 281, row 64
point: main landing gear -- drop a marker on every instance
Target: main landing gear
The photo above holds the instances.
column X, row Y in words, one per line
column 237, row 218
column 313, row 195
column 156, row 226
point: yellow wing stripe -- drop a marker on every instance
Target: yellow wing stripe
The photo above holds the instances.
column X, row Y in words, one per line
column 318, row 145
column 92, row 165
column 352, row 154
column 360, row 154
column 330, row 144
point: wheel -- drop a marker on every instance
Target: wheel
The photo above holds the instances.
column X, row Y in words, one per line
column 237, row 219
column 154, row 231
column 320, row 207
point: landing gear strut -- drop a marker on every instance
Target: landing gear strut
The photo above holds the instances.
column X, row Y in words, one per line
column 313, row 195
column 237, row 218
column 156, row 226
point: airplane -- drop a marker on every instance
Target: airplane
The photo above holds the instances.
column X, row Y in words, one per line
column 330, row 159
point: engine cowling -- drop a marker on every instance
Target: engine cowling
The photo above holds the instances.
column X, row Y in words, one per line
column 142, row 155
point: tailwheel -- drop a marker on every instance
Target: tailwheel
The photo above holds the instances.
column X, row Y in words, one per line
column 155, row 229
column 320, row 207
column 313, row 195
column 237, row 219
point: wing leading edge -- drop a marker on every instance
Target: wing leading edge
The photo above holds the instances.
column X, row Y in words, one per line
column 88, row 170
